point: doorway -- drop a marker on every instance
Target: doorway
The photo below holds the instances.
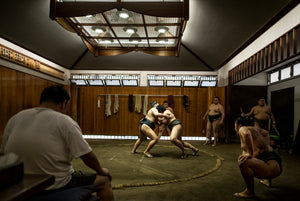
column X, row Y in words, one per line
column 282, row 105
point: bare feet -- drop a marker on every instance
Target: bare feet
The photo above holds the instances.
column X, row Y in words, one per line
column 133, row 152
column 147, row 154
column 214, row 144
column 196, row 152
column 207, row 142
column 244, row 194
column 266, row 182
column 184, row 155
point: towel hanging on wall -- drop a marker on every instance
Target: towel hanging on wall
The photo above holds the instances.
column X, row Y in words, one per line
column 116, row 104
column 145, row 107
column 138, row 103
column 171, row 101
column 108, row 105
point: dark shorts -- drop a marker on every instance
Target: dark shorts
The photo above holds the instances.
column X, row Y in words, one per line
column 262, row 123
column 80, row 178
column 148, row 123
column 174, row 123
column 272, row 155
column 211, row 118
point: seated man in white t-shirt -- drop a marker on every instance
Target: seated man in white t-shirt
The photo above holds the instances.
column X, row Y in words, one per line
column 47, row 140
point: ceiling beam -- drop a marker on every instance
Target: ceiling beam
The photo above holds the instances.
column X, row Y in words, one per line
column 79, row 58
column 197, row 57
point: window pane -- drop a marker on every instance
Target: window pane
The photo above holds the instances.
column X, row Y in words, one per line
column 297, row 69
column 274, row 77
column 285, row 73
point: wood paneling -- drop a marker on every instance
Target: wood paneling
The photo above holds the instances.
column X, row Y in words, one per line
column 93, row 120
column 18, row 91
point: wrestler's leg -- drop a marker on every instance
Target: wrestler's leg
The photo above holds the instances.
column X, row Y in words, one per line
column 154, row 139
column 141, row 138
column 215, row 128
column 188, row 145
column 175, row 138
column 208, row 133
column 256, row 168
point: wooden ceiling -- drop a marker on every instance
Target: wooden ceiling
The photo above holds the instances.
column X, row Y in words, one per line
column 215, row 32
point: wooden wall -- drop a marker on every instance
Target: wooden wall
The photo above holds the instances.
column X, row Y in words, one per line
column 92, row 119
column 18, row 91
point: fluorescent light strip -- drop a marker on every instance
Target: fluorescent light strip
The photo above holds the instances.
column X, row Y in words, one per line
column 130, row 137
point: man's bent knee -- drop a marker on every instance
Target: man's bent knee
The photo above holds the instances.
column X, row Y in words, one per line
column 102, row 180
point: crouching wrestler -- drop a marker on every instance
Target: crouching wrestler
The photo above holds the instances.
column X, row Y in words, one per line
column 258, row 159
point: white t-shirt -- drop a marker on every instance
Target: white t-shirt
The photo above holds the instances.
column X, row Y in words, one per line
column 46, row 141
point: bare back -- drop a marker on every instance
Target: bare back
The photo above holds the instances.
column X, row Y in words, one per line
column 254, row 140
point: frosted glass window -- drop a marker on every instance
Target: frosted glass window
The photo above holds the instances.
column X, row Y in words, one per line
column 79, row 82
column 206, row 83
column 156, row 83
column 285, row 73
column 171, row 83
column 274, row 77
column 130, row 83
column 188, row 83
column 113, row 82
column 96, row 82
column 297, row 69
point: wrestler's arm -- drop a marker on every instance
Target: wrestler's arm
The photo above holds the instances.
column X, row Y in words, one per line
column 206, row 113
column 157, row 114
column 247, row 146
column 272, row 116
column 251, row 112
column 222, row 113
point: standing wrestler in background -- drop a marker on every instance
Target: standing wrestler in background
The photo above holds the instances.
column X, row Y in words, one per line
column 216, row 116
column 176, row 130
column 262, row 114
column 147, row 126
column 258, row 158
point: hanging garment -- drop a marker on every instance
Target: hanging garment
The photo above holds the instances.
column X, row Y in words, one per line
column 108, row 105
column 138, row 103
column 171, row 101
column 116, row 104
column 130, row 103
column 145, row 107
column 98, row 101
column 186, row 103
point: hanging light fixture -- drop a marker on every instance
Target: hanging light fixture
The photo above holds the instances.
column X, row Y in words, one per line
column 107, row 21
column 107, row 38
column 130, row 30
column 161, row 29
column 162, row 38
column 135, row 38
column 99, row 29
column 124, row 14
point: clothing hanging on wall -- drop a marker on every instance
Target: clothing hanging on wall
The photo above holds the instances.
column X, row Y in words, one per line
column 145, row 107
column 130, row 103
column 171, row 101
column 98, row 101
column 116, row 104
column 138, row 103
column 186, row 103
column 108, row 105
